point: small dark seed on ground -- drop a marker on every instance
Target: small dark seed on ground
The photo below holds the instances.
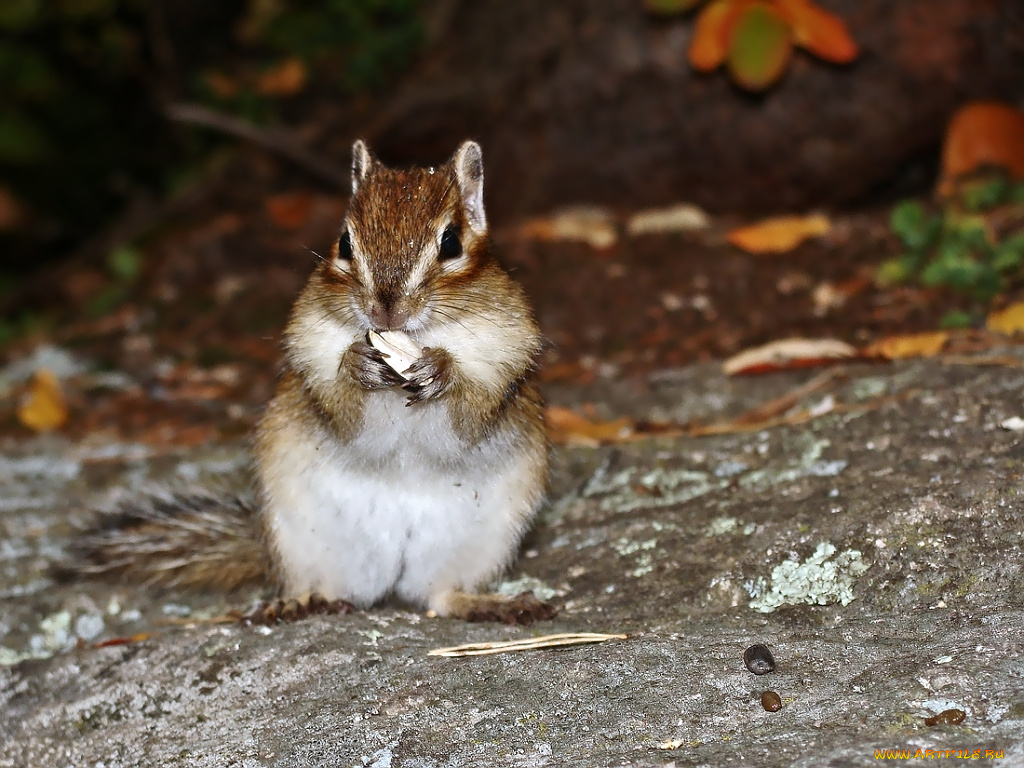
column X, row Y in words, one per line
column 946, row 717
column 770, row 700
column 759, row 659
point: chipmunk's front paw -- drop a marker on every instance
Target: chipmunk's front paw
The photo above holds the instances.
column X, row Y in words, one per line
column 368, row 366
column 430, row 376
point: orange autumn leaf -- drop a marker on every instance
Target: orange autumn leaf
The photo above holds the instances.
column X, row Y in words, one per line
column 43, row 409
column 566, row 427
column 926, row 344
column 289, row 210
column 712, row 32
column 822, row 33
column 779, row 234
column 1009, row 321
column 285, row 79
column 983, row 133
column 221, row 84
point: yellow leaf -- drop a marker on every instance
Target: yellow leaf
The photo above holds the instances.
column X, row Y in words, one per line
column 43, row 408
column 1008, row 322
column 779, row 234
column 911, row 345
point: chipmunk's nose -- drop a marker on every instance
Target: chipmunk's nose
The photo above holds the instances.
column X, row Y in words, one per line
column 386, row 315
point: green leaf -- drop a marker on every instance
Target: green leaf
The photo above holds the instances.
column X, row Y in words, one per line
column 986, row 284
column 984, row 194
column 954, row 267
column 969, row 234
column 124, row 263
column 1009, row 255
column 1015, row 243
column 895, row 271
column 935, row 273
column 956, row 318
column 909, row 223
column 760, row 47
column 106, row 300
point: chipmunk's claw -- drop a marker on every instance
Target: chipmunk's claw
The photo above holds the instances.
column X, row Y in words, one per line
column 286, row 610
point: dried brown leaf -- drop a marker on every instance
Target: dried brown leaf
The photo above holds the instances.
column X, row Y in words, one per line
column 788, row 353
column 566, row 427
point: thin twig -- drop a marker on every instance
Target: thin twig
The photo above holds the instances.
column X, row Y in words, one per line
column 529, row 644
column 745, row 423
column 779, row 405
column 196, row 114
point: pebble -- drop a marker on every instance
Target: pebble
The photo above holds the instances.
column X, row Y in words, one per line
column 946, row 717
column 770, row 701
column 759, row 659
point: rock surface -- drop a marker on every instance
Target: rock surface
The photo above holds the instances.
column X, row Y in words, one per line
column 903, row 503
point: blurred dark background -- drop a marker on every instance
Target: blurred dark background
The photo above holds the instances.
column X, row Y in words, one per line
column 575, row 101
column 169, row 170
column 85, row 132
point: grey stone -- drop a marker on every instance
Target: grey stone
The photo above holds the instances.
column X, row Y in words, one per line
column 876, row 549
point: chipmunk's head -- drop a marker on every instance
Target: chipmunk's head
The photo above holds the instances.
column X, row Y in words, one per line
column 409, row 236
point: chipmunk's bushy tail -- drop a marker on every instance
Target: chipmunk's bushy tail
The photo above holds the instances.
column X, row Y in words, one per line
column 198, row 539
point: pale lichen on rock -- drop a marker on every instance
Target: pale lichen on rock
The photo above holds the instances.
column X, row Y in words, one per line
column 818, row 580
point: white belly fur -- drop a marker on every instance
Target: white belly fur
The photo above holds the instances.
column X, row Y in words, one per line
column 404, row 508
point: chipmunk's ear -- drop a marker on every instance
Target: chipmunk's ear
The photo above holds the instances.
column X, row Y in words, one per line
column 362, row 162
column 469, row 173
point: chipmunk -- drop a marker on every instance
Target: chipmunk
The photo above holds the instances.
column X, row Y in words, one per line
column 374, row 480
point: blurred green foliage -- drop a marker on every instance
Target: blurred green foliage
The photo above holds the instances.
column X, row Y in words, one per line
column 961, row 247
column 83, row 84
column 124, row 265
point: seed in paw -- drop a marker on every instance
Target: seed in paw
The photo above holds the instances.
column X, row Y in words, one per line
column 399, row 350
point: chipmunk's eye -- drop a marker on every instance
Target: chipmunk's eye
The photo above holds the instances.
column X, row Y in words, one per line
column 451, row 245
column 345, row 246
